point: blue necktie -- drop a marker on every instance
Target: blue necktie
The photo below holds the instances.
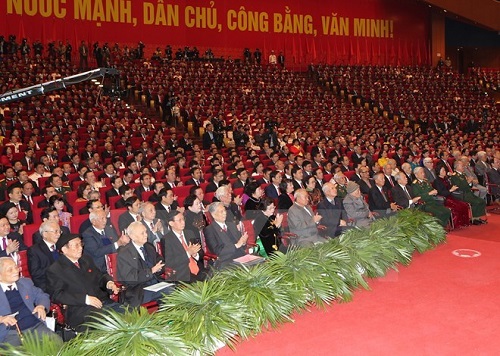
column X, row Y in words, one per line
column 146, row 259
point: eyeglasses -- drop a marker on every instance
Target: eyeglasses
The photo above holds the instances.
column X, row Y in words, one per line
column 55, row 231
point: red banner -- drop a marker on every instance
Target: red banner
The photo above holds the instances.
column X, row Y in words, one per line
column 361, row 32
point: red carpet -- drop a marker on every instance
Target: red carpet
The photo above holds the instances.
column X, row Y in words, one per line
column 442, row 304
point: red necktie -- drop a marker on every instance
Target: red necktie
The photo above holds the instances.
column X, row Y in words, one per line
column 193, row 266
column 224, row 228
column 77, row 264
column 4, row 243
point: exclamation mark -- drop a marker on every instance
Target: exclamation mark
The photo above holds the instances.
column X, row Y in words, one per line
column 391, row 28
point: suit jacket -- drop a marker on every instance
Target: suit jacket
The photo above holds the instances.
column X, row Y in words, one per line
column 176, row 257
column 207, row 141
column 363, row 186
column 223, row 243
column 296, row 185
column 39, row 259
column 191, row 181
column 387, row 185
column 14, row 236
column 429, row 176
column 69, row 285
column 284, row 202
column 140, row 189
column 152, row 237
column 357, row 210
column 32, row 296
column 377, row 202
column 95, row 247
column 399, row 196
column 161, row 212
column 302, row 224
column 482, row 168
column 238, row 184
column 331, row 215
column 111, row 193
column 271, row 192
column 494, row 178
column 135, row 273
column 124, row 220
column 211, row 187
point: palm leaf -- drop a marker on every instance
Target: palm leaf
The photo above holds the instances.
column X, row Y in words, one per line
column 34, row 345
column 204, row 316
column 262, row 292
column 133, row 333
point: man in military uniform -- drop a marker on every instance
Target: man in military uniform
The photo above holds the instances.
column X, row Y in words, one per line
column 428, row 195
column 341, row 181
column 465, row 193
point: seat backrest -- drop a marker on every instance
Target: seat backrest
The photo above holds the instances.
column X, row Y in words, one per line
column 111, row 263
column 22, row 263
column 28, row 231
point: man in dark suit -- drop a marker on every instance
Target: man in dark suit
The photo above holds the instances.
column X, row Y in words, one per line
column 145, row 186
column 42, row 254
column 223, row 238
column 101, row 239
column 242, row 181
column 217, row 177
column 49, row 214
column 195, row 177
column 10, row 242
column 208, row 137
column 402, row 194
column 494, row 179
column 132, row 214
column 156, row 228
column 166, row 204
column 334, row 217
column 125, row 192
column 15, row 196
column 298, row 175
column 389, row 180
column 21, row 304
column 181, row 250
column 156, row 187
column 272, row 190
column 378, row 199
column 116, row 183
column 75, row 281
column 139, row 266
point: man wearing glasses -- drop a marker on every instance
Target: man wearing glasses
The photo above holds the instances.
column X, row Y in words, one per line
column 42, row 254
column 75, row 281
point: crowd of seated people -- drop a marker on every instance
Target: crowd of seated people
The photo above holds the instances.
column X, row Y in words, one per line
column 88, row 177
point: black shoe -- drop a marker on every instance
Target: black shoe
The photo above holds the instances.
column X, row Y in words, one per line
column 476, row 222
column 482, row 221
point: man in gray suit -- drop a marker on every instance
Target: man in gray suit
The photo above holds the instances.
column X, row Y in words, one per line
column 356, row 207
column 302, row 221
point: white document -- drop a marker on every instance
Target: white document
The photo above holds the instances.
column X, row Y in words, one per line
column 158, row 286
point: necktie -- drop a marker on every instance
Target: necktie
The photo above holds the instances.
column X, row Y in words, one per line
column 4, row 243
column 145, row 257
column 10, row 287
column 406, row 191
column 224, row 228
column 55, row 254
column 193, row 266
column 77, row 264
column 137, row 218
column 168, row 209
column 383, row 194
